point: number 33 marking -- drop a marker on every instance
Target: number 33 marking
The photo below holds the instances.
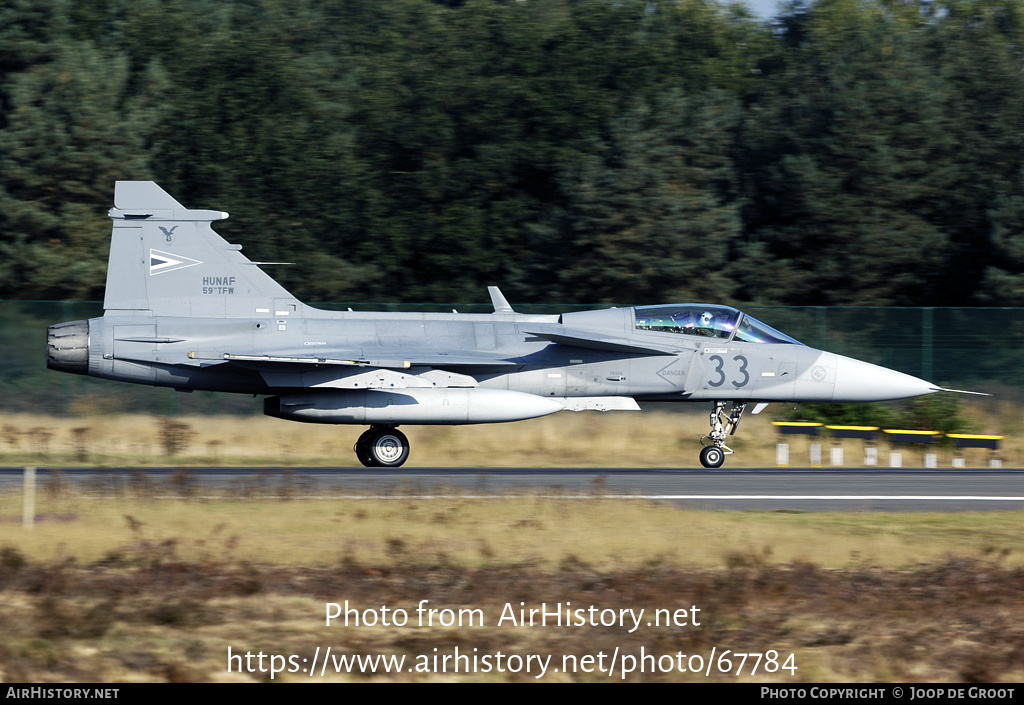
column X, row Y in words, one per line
column 720, row 371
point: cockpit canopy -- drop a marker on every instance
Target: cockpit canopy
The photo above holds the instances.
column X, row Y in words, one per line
column 703, row 320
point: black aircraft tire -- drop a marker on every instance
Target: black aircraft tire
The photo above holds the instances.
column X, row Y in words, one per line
column 365, row 456
column 362, row 449
column 712, row 457
column 389, row 448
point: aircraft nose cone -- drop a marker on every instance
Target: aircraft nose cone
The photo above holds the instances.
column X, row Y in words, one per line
column 862, row 381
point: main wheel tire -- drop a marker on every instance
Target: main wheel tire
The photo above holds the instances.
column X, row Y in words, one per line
column 712, row 457
column 362, row 449
column 389, row 448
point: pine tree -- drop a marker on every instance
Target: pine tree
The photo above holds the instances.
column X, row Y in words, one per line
column 653, row 212
column 72, row 130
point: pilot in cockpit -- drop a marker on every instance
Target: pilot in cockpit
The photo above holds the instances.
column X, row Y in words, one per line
column 706, row 325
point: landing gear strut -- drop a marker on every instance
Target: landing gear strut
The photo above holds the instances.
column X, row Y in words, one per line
column 382, row 447
column 722, row 426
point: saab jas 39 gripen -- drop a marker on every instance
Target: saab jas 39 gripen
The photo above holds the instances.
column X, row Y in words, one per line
column 185, row 309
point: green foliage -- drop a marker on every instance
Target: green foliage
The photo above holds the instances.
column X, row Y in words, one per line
column 870, row 414
column 72, row 131
column 935, row 412
column 30, row 30
column 1003, row 282
column 856, row 152
column 654, row 210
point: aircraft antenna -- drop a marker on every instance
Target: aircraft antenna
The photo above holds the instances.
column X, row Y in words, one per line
column 498, row 300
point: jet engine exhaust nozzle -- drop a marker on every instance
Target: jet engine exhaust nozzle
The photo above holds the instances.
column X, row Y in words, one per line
column 67, row 347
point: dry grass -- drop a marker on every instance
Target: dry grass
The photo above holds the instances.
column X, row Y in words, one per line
column 608, row 534
column 613, row 439
column 128, row 588
column 174, row 621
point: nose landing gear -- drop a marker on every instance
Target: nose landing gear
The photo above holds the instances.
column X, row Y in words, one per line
column 714, row 451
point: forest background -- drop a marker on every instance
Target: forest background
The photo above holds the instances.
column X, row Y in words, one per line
column 861, row 152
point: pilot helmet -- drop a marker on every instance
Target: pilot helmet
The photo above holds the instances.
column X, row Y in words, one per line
column 706, row 320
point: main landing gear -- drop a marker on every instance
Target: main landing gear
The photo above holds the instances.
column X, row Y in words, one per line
column 722, row 426
column 382, row 447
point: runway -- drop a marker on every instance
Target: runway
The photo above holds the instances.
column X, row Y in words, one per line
column 760, row 489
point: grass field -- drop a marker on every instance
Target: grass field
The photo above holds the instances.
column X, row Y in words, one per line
column 265, row 526
column 119, row 587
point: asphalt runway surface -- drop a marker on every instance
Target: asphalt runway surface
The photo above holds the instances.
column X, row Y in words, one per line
column 761, row 489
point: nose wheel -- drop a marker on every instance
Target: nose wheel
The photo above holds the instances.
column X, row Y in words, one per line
column 722, row 426
column 712, row 457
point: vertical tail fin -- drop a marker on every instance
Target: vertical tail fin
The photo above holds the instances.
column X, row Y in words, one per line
column 166, row 260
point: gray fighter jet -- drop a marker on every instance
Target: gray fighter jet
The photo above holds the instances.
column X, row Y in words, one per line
column 187, row 310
